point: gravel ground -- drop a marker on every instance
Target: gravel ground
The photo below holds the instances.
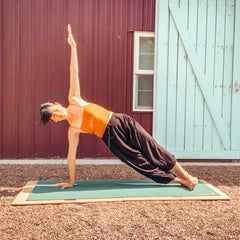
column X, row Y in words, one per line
column 118, row 220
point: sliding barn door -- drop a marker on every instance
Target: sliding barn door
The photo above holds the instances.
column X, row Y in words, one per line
column 197, row 105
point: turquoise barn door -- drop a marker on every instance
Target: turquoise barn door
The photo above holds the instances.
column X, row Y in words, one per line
column 197, row 105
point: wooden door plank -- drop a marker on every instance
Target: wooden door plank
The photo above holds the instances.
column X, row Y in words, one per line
column 219, row 67
column 228, row 60
column 200, row 50
column 181, row 87
column 228, row 63
column 235, row 126
column 190, row 81
column 172, row 87
column 161, row 74
column 201, row 77
column 210, row 60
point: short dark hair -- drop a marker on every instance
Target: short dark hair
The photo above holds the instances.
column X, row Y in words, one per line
column 45, row 112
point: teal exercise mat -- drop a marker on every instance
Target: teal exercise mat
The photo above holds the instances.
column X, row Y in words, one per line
column 116, row 188
column 43, row 192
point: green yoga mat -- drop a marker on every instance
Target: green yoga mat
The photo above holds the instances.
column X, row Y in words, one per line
column 116, row 189
column 113, row 190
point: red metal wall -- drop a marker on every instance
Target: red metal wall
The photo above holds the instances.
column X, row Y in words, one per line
column 34, row 68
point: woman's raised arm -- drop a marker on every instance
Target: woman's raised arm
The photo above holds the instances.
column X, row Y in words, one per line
column 74, row 90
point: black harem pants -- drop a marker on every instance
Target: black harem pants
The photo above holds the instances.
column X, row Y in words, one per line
column 133, row 145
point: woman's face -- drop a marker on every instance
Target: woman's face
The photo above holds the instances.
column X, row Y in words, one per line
column 59, row 112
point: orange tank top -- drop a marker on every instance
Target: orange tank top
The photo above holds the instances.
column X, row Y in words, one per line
column 95, row 119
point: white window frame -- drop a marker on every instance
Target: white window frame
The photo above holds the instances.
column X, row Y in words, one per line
column 137, row 71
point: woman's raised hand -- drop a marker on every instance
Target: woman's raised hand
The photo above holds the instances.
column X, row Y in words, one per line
column 71, row 40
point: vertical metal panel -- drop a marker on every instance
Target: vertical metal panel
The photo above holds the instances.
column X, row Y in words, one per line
column 1, row 38
column 25, row 96
column 34, row 66
column 10, row 78
column 40, row 75
column 198, row 49
column 56, row 82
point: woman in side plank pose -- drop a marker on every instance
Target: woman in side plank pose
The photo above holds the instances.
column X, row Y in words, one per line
column 122, row 134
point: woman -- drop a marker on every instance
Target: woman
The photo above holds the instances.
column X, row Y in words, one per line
column 121, row 133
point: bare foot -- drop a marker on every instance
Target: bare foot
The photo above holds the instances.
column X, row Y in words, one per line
column 190, row 183
column 193, row 181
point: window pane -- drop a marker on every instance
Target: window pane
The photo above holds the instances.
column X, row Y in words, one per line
column 146, row 53
column 146, row 45
column 145, row 99
column 145, row 91
column 145, row 82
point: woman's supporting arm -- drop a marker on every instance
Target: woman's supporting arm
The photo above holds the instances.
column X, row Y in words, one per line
column 73, row 139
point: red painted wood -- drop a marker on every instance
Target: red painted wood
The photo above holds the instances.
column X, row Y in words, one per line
column 34, row 66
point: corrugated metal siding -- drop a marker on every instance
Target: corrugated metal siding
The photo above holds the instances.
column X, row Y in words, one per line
column 34, row 67
column 1, row 78
column 196, row 48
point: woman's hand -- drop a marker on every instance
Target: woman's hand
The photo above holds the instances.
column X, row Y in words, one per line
column 71, row 40
column 64, row 185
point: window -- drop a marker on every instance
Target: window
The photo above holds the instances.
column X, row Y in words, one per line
column 143, row 71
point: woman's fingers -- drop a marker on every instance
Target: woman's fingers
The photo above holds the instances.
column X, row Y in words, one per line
column 71, row 40
column 63, row 185
column 60, row 185
column 69, row 28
